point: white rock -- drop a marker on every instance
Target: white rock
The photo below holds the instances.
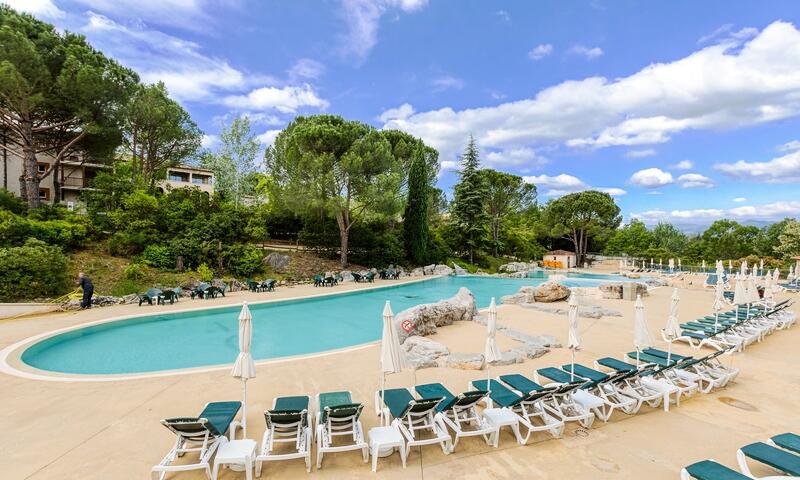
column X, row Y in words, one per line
column 347, row 275
column 459, row 271
column 463, row 361
column 424, row 319
column 442, row 270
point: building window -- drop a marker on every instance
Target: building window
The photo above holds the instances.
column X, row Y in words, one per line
column 42, row 167
column 178, row 177
column 44, row 194
column 201, row 179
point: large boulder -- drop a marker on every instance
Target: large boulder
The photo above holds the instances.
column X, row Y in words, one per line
column 611, row 290
column 278, row 262
column 463, row 361
column 514, row 267
column 424, row 319
column 417, row 272
column 551, row 292
column 428, row 269
column 347, row 275
column 524, row 295
column 442, row 270
column 423, row 352
column 458, row 270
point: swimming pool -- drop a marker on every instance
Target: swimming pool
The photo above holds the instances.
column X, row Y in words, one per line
column 208, row 337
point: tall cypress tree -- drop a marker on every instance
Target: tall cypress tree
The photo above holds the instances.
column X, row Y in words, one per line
column 469, row 201
column 415, row 221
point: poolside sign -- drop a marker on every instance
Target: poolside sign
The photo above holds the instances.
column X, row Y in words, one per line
column 407, row 325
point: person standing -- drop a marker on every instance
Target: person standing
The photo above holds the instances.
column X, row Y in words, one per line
column 88, row 290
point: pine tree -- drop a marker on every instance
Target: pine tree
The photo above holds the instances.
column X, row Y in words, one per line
column 415, row 221
column 469, row 201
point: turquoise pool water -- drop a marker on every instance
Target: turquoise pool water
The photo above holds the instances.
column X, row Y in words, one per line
column 207, row 337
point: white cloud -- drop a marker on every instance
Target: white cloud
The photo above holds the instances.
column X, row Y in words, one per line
column 695, row 180
column 725, row 33
column 739, row 200
column 447, row 82
column 40, row 8
column 286, row 100
column 503, row 15
column 683, row 165
column 363, row 18
column 268, row 137
column 768, row 213
column 306, row 68
column 785, row 169
column 563, row 184
column 209, row 141
column 648, row 152
column 540, row 51
column 187, row 72
column 497, row 95
column 712, row 88
column 400, row 113
column 586, row 52
column 651, row 178
column 186, row 14
column 450, row 165
column 524, row 157
column 789, row 146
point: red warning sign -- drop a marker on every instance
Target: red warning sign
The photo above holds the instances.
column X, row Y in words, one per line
column 407, row 325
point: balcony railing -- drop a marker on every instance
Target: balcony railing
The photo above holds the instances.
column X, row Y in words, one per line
column 79, row 182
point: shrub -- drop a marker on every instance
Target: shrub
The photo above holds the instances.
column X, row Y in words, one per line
column 205, row 273
column 135, row 271
column 12, row 203
column 158, row 256
column 31, row 271
column 242, row 260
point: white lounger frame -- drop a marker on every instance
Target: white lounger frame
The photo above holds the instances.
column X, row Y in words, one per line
column 415, row 423
column 460, row 418
column 565, row 405
column 286, row 433
column 347, row 426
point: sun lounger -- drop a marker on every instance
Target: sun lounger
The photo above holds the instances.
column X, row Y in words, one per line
column 287, row 422
column 709, row 367
column 641, row 385
column 338, row 416
column 786, row 441
column 172, row 295
column 686, row 383
column 528, row 400
column 776, row 458
column 609, row 387
column 710, row 470
column 202, row 434
column 414, row 417
column 459, row 412
column 581, row 400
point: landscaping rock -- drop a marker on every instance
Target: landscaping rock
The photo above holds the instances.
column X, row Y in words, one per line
column 417, row 361
column 551, row 292
column 428, row 269
column 611, row 290
column 459, row 271
column 347, row 275
column 585, row 311
column 524, row 295
column 424, row 319
column 417, row 272
column 278, row 262
column 422, row 352
column 132, row 298
column 442, row 270
column 514, row 267
column 463, row 361
column 510, row 357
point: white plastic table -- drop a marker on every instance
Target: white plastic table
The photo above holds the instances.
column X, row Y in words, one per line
column 385, row 439
column 236, row 452
column 502, row 417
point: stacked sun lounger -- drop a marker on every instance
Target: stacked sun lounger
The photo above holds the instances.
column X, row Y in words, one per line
column 779, row 454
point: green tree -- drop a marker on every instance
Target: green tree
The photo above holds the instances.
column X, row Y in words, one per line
column 415, row 219
column 469, row 197
column 727, row 239
column 768, row 240
column 789, row 240
column 330, row 165
column 667, row 237
column 158, row 133
column 58, row 97
column 633, row 239
column 579, row 217
column 234, row 164
column 507, row 194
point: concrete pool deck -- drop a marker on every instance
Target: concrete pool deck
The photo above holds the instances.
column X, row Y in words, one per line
column 111, row 430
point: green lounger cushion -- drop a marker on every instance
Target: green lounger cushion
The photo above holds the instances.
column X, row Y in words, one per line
column 521, row 383
column 615, row 364
column 774, row 457
column 789, row 441
column 585, row 372
column 498, row 393
column 437, row 390
column 297, row 403
column 711, row 470
column 220, row 415
column 340, row 404
column 560, row 376
column 397, row 400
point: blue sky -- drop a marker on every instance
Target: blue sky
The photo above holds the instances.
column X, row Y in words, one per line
column 685, row 111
